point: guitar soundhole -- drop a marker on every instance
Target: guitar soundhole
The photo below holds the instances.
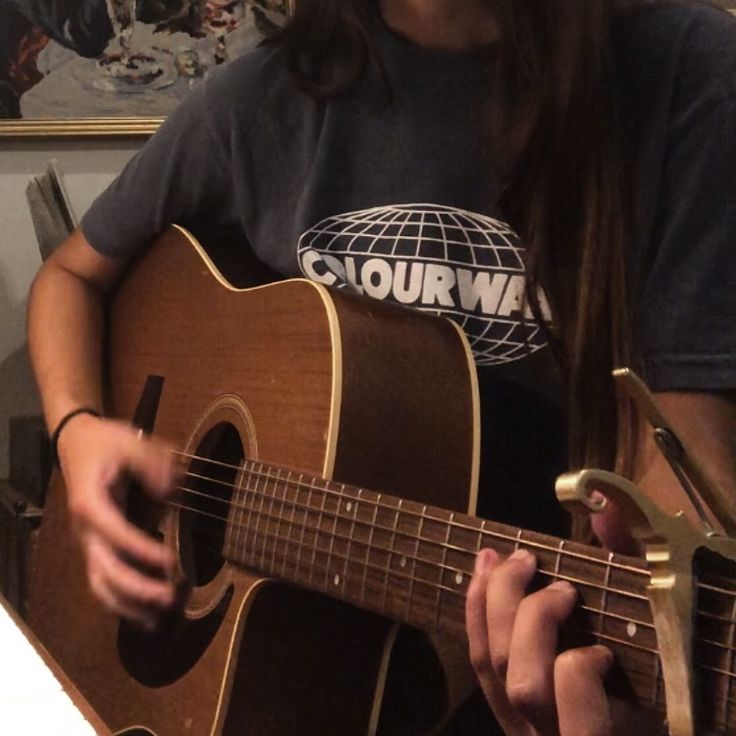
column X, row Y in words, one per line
column 207, row 497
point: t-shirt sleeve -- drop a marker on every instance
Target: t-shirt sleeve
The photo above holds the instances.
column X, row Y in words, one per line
column 689, row 293
column 181, row 175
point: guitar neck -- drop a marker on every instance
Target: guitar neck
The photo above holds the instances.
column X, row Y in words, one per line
column 413, row 563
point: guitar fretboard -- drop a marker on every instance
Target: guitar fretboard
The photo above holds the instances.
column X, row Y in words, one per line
column 413, row 563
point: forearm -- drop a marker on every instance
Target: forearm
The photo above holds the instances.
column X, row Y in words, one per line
column 65, row 330
column 706, row 424
column 66, row 325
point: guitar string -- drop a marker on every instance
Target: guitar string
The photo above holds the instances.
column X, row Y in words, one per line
column 249, row 467
column 289, row 541
column 275, row 518
column 410, row 558
column 570, row 627
column 279, row 478
column 300, row 485
column 274, row 536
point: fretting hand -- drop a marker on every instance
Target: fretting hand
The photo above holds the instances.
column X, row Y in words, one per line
column 533, row 690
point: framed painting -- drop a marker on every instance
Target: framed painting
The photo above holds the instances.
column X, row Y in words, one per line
column 116, row 67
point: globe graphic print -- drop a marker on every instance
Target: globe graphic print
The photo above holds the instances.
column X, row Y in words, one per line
column 452, row 262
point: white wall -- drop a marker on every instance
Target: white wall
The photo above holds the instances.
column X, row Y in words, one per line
column 88, row 167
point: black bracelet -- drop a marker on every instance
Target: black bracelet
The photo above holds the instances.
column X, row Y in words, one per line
column 64, row 421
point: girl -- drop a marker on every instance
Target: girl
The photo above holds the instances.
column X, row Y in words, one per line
column 556, row 176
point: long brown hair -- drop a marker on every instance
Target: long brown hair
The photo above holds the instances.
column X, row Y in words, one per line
column 563, row 163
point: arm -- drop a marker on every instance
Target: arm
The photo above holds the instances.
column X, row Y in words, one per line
column 182, row 174
column 65, row 317
column 513, row 637
column 65, row 326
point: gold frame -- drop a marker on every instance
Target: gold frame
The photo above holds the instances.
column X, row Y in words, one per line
column 79, row 127
column 136, row 127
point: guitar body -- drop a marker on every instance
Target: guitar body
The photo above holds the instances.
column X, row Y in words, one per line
column 325, row 383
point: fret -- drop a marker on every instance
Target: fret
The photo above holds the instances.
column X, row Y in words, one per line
column 283, row 482
column 351, row 507
column 558, row 558
column 604, row 594
column 432, row 554
column 235, row 516
column 404, row 551
column 244, row 525
column 304, row 528
column 290, row 485
column 415, row 556
column 479, row 543
column 440, row 571
column 318, row 528
column 260, row 515
column 357, row 559
column 391, row 545
column 249, row 530
column 461, row 549
column 328, row 566
column 245, row 507
column 371, row 534
column 265, row 517
column 268, row 497
column 233, row 525
column 517, row 543
column 458, row 570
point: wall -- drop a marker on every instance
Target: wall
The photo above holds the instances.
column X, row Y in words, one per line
column 88, row 168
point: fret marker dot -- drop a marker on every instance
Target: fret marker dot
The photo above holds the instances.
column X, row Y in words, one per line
column 459, row 578
column 631, row 629
column 402, row 561
column 349, row 506
column 336, row 580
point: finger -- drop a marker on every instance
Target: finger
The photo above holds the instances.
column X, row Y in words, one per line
column 530, row 676
column 156, row 465
column 477, row 626
column 129, row 610
column 131, row 585
column 507, row 584
column 104, row 517
column 582, row 703
column 610, row 527
column 583, row 706
column 475, row 617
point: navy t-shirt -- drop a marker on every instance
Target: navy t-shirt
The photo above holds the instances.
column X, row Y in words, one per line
column 398, row 199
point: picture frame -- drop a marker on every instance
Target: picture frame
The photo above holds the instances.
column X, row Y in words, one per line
column 82, row 74
column 21, row 36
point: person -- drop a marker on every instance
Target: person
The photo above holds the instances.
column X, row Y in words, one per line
column 557, row 177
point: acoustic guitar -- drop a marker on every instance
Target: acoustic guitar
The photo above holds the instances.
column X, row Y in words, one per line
column 325, row 522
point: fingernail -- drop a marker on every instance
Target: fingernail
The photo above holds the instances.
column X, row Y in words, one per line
column 484, row 560
column 521, row 555
column 599, row 499
column 606, row 653
column 562, row 586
